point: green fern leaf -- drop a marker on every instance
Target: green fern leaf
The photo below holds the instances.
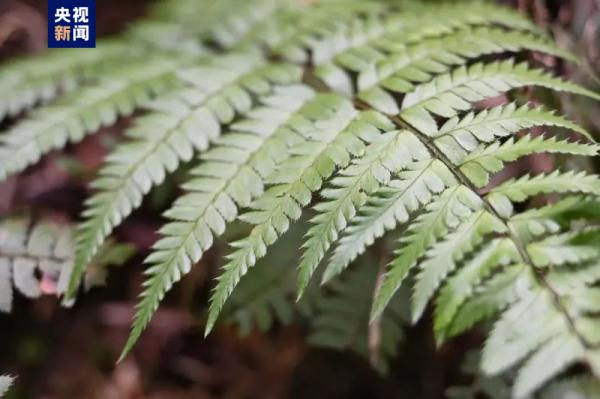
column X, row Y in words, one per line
column 448, row 94
column 395, row 140
column 230, row 176
column 384, row 157
column 82, row 112
column 376, row 48
column 550, row 219
column 187, row 121
column 420, row 62
column 449, row 210
column 442, row 259
column 414, row 187
column 484, row 160
column 518, row 190
column 583, row 387
column 489, row 298
column 232, row 29
column 462, row 286
column 541, row 326
column 457, row 137
column 26, row 83
column 323, row 32
column 558, row 250
column 542, row 334
column 328, row 145
column 223, row 24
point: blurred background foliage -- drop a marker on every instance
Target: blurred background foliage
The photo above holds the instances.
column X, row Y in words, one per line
column 70, row 353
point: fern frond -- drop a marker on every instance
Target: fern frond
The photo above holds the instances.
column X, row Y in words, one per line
column 502, row 121
column 183, row 123
column 460, row 287
column 29, row 248
column 326, row 30
column 408, row 149
column 542, row 325
column 457, row 137
column 550, row 219
column 442, row 259
column 448, row 94
column 518, row 190
column 84, row 111
column 386, row 156
column 417, row 63
column 231, row 176
column 179, row 28
column 449, row 210
column 264, row 295
column 327, row 145
column 25, row 249
column 29, row 82
column 415, row 187
column 486, row 299
column 342, row 315
column 584, row 387
column 498, row 387
column 546, row 333
column 482, row 13
column 233, row 28
column 223, row 23
column 560, row 249
column 485, row 160
column 5, row 384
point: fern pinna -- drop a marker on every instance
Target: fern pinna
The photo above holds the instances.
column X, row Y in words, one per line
column 373, row 114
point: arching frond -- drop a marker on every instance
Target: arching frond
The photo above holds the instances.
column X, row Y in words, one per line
column 183, row 123
column 448, row 94
column 486, row 160
column 370, row 112
column 26, row 83
column 415, row 59
column 461, row 286
column 518, row 190
column 84, row 111
column 449, row 210
column 337, row 133
column 387, row 155
column 414, row 187
column 231, row 176
column 441, row 260
column 457, row 137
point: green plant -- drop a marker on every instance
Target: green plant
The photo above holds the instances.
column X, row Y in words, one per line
column 371, row 111
column 5, row 383
column 498, row 386
column 36, row 252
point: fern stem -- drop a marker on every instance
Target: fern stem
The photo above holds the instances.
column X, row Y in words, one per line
column 374, row 333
